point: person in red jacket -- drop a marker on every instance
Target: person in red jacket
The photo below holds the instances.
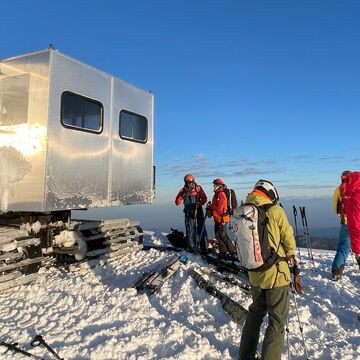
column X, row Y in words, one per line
column 218, row 208
column 350, row 194
column 193, row 197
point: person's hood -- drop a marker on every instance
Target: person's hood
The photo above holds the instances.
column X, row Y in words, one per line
column 257, row 198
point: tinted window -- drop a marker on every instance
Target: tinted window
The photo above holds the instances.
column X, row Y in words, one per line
column 80, row 112
column 133, row 126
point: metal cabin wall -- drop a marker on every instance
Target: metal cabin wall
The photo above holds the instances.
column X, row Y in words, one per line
column 23, row 123
column 131, row 162
column 77, row 172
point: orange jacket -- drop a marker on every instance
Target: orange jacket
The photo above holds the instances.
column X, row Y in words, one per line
column 197, row 191
column 218, row 207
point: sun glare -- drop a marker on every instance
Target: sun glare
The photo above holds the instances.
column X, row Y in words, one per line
column 28, row 140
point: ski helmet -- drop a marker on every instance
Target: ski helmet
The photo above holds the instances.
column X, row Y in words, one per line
column 219, row 181
column 189, row 178
column 268, row 189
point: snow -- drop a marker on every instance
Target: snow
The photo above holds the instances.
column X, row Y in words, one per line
column 95, row 314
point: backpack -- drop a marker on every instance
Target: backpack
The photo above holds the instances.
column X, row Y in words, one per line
column 177, row 238
column 248, row 224
column 231, row 201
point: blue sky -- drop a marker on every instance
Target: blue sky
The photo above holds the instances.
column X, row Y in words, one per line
column 243, row 89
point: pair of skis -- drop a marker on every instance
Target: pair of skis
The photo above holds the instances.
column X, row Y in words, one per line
column 37, row 341
column 151, row 281
column 227, row 264
column 306, row 233
column 228, row 278
column 233, row 308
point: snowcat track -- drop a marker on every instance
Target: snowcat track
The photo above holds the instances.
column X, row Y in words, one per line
column 106, row 241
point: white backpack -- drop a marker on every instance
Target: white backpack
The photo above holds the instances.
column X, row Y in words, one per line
column 248, row 224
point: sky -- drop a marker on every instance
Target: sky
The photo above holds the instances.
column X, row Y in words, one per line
column 243, row 90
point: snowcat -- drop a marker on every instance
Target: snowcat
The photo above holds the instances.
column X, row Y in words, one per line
column 71, row 137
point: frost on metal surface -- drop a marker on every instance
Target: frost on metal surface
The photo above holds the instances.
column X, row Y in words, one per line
column 13, row 168
column 133, row 197
column 75, row 191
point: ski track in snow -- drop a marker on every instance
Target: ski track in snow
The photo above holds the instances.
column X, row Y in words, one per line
column 93, row 314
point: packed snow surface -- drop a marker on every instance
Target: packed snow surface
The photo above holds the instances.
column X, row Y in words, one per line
column 95, row 314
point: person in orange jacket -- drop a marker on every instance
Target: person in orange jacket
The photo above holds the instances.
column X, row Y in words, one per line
column 193, row 197
column 218, row 208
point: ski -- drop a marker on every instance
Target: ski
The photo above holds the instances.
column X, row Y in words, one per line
column 154, row 279
column 162, row 248
column 228, row 278
column 234, row 309
column 227, row 264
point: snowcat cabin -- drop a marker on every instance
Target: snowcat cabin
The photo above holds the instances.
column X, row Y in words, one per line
column 71, row 137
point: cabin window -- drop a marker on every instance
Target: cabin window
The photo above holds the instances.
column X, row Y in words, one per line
column 81, row 113
column 133, row 126
column 14, row 99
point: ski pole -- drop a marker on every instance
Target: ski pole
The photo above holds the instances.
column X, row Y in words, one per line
column 299, row 321
column 203, row 227
column 39, row 340
column 287, row 338
column 195, row 235
column 306, row 232
column 296, row 232
column 14, row 347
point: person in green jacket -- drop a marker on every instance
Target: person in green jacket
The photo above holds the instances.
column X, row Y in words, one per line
column 270, row 288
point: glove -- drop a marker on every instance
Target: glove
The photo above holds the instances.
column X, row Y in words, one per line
column 208, row 210
column 184, row 193
column 293, row 265
column 297, row 284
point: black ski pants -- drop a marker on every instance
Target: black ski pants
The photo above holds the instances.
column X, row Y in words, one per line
column 226, row 246
column 275, row 302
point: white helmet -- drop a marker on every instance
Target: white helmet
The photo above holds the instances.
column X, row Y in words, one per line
column 269, row 189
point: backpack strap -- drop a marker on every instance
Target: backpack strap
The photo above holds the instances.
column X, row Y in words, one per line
column 266, row 207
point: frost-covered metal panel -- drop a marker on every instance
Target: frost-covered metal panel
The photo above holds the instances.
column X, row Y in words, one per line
column 48, row 161
column 23, row 120
column 132, row 162
column 78, row 161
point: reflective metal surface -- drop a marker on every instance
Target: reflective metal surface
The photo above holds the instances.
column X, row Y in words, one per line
column 45, row 166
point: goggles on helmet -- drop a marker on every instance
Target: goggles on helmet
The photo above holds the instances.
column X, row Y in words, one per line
column 269, row 189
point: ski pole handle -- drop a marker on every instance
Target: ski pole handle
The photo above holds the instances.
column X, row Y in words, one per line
column 294, row 210
column 39, row 340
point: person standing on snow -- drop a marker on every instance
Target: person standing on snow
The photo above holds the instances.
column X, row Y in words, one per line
column 193, row 197
column 350, row 195
column 343, row 248
column 218, row 208
column 270, row 288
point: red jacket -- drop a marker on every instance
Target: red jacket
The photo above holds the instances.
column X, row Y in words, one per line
column 350, row 195
column 218, row 207
column 197, row 191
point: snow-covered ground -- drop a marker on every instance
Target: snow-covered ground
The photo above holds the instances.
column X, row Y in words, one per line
column 95, row 314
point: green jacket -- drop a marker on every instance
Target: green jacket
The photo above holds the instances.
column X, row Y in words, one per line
column 279, row 230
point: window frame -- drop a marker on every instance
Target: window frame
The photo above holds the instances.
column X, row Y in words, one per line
column 72, row 127
column 132, row 139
